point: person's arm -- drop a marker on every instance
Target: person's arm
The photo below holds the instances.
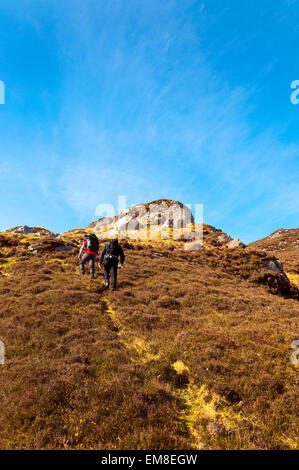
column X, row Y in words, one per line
column 122, row 255
column 81, row 250
column 102, row 256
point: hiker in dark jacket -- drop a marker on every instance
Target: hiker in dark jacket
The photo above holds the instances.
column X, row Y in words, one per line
column 109, row 256
column 90, row 247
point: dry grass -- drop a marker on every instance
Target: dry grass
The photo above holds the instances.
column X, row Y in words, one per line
column 192, row 351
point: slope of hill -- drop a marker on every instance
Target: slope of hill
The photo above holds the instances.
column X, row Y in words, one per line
column 192, row 352
column 284, row 244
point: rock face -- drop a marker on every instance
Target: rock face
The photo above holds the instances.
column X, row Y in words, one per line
column 224, row 238
column 191, row 246
column 50, row 244
column 104, row 221
column 24, row 229
column 157, row 215
column 236, row 243
column 272, row 274
column 275, row 266
column 284, row 244
column 37, row 231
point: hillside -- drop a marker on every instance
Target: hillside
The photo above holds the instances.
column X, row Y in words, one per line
column 192, row 352
column 284, row 244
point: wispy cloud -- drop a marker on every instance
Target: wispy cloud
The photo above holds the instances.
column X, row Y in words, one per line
column 143, row 111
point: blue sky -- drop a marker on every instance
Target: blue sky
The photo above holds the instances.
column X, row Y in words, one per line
column 181, row 99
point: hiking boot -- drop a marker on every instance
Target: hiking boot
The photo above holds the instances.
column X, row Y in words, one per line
column 106, row 284
column 82, row 270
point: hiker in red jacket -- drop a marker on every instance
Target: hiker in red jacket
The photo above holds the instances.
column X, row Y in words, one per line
column 90, row 247
column 109, row 255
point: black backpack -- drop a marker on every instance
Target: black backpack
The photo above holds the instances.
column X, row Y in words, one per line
column 112, row 247
column 92, row 243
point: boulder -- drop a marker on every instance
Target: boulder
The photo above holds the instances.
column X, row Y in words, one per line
column 48, row 234
column 171, row 214
column 101, row 223
column 37, row 246
column 50, row 244
column 275, row 266
column 128, row 223
column 64, row 248
column 21, row 229
column 224, row 238
column 235, row 243
column 161, row 213
column 273, row 275
column 25, row 230
column 192, row 246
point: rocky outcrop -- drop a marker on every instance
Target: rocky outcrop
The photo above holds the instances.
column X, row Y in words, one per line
column 236, row 243
column 280, row 240
column 155, row 216
column 104, row 221
column 272, row 275
column 224, row 238
column 275, row 266
column 284, row 244
column 24, row 229
column 37, row 231
column 192, row 246
column 50, row 244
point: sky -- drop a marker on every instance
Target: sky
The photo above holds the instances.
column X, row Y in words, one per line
column 149, row 99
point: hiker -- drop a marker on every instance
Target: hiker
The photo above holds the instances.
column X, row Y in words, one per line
column 91, row 247
column 109, row 255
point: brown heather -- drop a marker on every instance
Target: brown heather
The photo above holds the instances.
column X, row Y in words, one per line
column 192, row 352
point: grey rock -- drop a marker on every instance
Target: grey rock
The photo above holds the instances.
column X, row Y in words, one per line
column 224, row 238
column 192, row 246
column 128, row 223
column 53, row 234
column 64, row 248
column 171, row 214
column 99, row 224
column 24, row 229
column 236, row 243
column 165, row 212
column 273, row 265
column 34, row 246
column 21, row 229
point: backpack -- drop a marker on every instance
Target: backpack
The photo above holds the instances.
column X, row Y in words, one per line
column 112, row 247
column 92, row 243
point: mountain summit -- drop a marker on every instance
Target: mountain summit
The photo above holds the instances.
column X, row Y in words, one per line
column 157, row 216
